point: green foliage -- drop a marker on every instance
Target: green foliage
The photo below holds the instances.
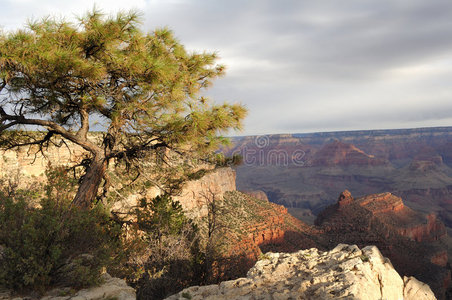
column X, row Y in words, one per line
column 220, row 160
column 161, row 217
column 53, row 243
column 172, row 245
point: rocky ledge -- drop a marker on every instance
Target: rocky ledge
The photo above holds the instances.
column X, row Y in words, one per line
column 345, row 272
column 112, row 288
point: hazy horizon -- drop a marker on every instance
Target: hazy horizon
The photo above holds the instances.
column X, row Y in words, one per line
column 341, row 131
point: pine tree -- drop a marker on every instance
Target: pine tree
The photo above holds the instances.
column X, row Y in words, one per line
column 145, row 89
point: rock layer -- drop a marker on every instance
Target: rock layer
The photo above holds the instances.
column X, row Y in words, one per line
column 345, row 272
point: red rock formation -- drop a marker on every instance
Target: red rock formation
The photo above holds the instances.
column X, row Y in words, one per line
column 269, row 228
column 432, row 230
column 382, row 203
column 342, row 154
column 345, row 198
column 410, row 239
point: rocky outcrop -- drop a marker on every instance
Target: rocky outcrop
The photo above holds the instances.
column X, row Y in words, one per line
column 389, row 210
column 252, row 225
column 403, row 235
column 345, row 198
column 345, row 272
column 112, row 288
column 197, row 194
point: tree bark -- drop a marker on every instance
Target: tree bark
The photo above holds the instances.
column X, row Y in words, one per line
column 89, row 186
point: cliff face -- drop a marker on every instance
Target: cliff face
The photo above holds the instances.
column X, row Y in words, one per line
column 197, row 194
column 344, row 272
column 32, row 164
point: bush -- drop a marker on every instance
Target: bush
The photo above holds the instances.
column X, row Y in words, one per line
column 172, row 244
column 52, row 244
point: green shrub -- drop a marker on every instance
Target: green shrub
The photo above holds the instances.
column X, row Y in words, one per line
column 161, row 216
column 52, row 243
column 174, row 256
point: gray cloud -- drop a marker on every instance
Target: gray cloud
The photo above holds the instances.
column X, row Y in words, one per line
column 316, row 65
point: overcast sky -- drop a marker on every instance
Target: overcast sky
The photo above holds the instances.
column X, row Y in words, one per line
column 305, row 66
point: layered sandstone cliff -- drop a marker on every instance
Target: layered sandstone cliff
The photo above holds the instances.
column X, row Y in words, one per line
column 197, row 194
column 345, row 272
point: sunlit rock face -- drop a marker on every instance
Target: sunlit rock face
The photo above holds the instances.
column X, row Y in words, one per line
column 345, row 272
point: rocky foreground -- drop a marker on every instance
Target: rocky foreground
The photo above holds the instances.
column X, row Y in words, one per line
column 111, row 289
column 345, row 272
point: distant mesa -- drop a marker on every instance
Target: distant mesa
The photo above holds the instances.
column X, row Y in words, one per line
column 338, row 153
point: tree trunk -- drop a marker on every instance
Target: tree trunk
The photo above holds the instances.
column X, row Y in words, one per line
column 89, row 187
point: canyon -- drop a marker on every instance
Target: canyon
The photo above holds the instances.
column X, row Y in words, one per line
column 306, row 172
column 256, row 200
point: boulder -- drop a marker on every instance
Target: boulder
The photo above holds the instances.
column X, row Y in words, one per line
column 345, row 272
column 112, row 288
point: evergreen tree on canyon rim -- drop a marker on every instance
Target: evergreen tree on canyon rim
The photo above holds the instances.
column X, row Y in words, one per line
column 58, row 77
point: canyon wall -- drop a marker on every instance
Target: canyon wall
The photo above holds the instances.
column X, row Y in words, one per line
column 32, row 164
column 197, row 194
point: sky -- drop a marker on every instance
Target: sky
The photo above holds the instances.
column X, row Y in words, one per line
column 304, row 66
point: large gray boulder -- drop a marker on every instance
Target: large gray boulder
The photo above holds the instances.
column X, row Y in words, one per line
column 346, row 272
